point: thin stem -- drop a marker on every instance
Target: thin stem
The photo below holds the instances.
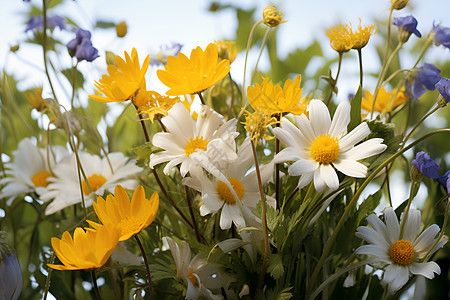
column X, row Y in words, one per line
column 442, row 231
column 290, row 196
column 230, row 108
column 147, row 268
column 74, row 83
column 201, row 97
column 191, row 211
column 408, row 206
column 44, row 46
column 333, row 87
column 144, row 128
column 420, row 122
column 94, row 282
column 360, row 69
column 266, row 35
column 356, row 196
column 263, row 219
column 424, row 49
column 277, row 167
column 49, row 275
column 388, row 186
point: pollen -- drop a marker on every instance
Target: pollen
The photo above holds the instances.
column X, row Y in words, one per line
column 40, row 179
column 95, row 182
column 325, row 149
column 402, row 252
column 194, row 144
column 225, row 193
column 192, row 278
column 129, row 225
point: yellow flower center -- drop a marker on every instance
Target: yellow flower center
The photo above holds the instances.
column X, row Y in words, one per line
column 192, row 278
column 40, row 179
column 95, row 182
column 325, row 149
column 402, row 252
column 194, row 144
column 225, row 193
column 129, row 225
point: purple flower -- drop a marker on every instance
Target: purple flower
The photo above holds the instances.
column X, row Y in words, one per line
column 85, row 51
column 445, row 180
column 10, row 274
column 80, row 34
column 37, row 22
column 408, row 24
column 422, row 79
column 442, row 35
column 426, row 165
column 443, row 86
column 161, row 56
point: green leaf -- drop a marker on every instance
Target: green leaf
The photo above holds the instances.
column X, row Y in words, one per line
column 275, row 266
column 355, row 112
column 74, row 76
column 368, row 206
column 143, row 152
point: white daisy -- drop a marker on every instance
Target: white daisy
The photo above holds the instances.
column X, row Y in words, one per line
column 102, row 175
column 30, row 170
column 319, row 144
column 202, row 279
column 217, row 195
column 186, row 136
column 400, row 255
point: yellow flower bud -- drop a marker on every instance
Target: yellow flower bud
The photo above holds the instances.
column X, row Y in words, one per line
column 399, row 4
column 272, row 17
column 121, row 29
column 14, row 48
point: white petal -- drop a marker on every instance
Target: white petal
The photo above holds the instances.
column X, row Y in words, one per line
column 305, row 127
column 292, row 136
column 225, row 217
column 160, row 157
column 341, row 119
column 329, row 176
column 397, row 276
column 426, row 239
column 319, row 183
column 365, row 149
column 426, row 269
column 393, row 227
column 355, row 136
column 166, row 141
column 412, row 225
column 302, row 166
column 379, row 226
column 374, row 250
column 319, row 117
column 372, row 236
column 304, row 180
column 351, row 168
column 168, row 168
column 287, row 154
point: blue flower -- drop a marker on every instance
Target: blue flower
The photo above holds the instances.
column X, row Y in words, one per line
column 161, row 56
column 10, row 275
column 80, row 34
column 443, row 86
column 422, row 79
column 441, row 35
column 407, row 25
column 426, row 165
column 445, row 180
column 37, row 22
column 81, row 46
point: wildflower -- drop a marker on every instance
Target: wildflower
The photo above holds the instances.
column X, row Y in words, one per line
column 360, row 38
column 34, row 97
column 37, row 23
column 340, row 38
column 426, row 165
column 385, row 100
column 88, row 250
column 445, row 181
column 400, row 255
column 216, row 194
column 152, row 103
column 272, row 17
column 30, row 170
column 443, row 86
column 185, row 136
column 276, row 100
column 81, row 46
column 201, row 278
column 398, row 4
column 441, row 35
column 227, row 50
column 102, row 174
column 256, row 124
column 195, row 74
column 10, row 274
column 121, row 29
column 122, row 81
column 422, row 79
column 319, row 144
column 164, row 53
column 407, row 26
column 129, row 218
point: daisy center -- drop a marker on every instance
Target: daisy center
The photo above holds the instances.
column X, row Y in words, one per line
column 225, row 193
column 325, row 149
column 129, row 225
column 40, row 179
column 95, row 182
column 192, row 278
column 194, row 144
column 402, row 252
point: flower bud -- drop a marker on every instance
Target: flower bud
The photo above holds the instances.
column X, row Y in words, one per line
column 14, row 48
column 121, row 29
column 272, row 17
column 399, row 4
column 10, row 275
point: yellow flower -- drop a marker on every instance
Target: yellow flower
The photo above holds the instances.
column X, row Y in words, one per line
column 398, row 4
column 361, row 37
column 227, row 50
column 340, row 38
column 129, row 218
column 385, row 100
column 87, row 250
column 152, row 103
column 123, row 80
column 272, row 17
column 256, row 124
column 34, row 97
column 195, row 74
column 121, row 29
column 273, row 99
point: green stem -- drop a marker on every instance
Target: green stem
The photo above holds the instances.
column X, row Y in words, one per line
column 191, row 211
column 94, row 282
column 333, row 87
column 361, row 69
column 356, row 196
column 408, row 206
column 266, row 35
column 74, row 83
column 230, row 108
column 420, row 122
column 201, row 97
column 263, row 219
column 428, row 43
column 44, row 46
column 147, row 268
column 442, row 231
